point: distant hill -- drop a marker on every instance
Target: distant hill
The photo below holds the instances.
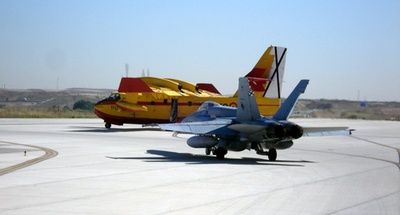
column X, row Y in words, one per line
column 64, row 99
column 35, row 98
column 323, row 108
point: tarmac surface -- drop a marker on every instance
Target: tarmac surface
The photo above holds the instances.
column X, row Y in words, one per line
column 76, row 166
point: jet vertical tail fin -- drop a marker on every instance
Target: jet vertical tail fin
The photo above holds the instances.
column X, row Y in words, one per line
column 267, row 75
column 247, row 109
column 287, row 107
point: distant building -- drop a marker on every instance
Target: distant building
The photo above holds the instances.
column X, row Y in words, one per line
column 363, row 104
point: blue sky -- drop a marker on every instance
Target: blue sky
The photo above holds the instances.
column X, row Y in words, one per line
column 348, row 49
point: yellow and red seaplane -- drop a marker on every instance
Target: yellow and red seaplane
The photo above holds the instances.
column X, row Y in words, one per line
column 148, row 100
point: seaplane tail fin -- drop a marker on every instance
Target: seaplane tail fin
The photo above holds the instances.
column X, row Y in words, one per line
column 266, row 77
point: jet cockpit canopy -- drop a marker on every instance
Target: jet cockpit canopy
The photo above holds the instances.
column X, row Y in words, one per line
column 207, row 105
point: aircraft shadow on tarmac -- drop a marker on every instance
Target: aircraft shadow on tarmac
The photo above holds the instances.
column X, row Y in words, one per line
column 168, row 156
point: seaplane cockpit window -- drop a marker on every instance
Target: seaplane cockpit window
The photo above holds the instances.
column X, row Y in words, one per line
column 114, row 97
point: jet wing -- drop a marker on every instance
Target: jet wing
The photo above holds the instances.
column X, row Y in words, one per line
column 131, row 107
column 326, row 131
column 205, row 127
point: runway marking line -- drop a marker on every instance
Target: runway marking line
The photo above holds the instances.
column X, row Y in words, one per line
column 49, row 153
column 383, row 145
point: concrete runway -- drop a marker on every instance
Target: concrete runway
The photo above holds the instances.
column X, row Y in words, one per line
column 76, row 166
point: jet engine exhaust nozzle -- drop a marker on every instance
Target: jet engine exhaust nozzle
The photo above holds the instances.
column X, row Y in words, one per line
column 295, row 131
column 276, row 131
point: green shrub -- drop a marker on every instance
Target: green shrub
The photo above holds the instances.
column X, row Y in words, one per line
column 83, row 105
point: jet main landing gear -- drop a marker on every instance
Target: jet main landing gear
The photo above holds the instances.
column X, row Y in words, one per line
column 219, row 152
column 272, row 154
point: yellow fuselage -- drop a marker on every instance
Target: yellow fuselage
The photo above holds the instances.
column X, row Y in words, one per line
column 145, row 108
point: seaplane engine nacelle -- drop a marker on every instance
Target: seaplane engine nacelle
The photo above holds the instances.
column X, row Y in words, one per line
column 202, row 141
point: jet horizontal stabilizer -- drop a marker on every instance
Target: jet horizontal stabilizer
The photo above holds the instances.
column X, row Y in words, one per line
column 325, row 131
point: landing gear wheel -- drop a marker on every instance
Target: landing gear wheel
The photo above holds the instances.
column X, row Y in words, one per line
column 107, row 125
column 220, row 153
column 272, row 154
column 208, row 151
